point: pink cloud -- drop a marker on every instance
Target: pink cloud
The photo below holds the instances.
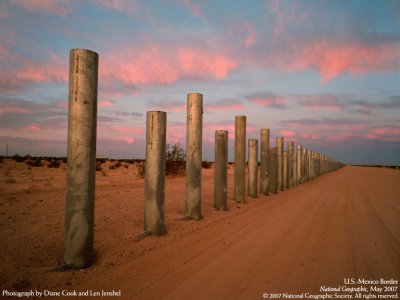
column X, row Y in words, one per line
column 129, row 140
column 223, row 105
column 342, row 136
column 328, row 102
column 59, row 7
column 267, row 100
column 158, row 64
column 106, row 103
column 9, row 109
column 333, row 59
column 54, row 70
column 326, row 124
column 310, row 136
column 33, row 128
column 288, row 133
column 384, row 133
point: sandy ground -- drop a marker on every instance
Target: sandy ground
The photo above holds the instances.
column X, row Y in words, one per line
column 345, row 224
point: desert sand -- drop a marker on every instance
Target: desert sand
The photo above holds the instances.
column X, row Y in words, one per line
column 344, row 224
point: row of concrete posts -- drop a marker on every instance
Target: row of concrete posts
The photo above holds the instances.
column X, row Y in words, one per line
column 279, row 169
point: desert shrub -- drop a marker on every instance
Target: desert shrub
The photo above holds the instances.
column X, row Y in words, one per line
column 1, row 160
column 112, row 167
column 98, row 166
column 34, row 162
column 100, row 160
column 126, row 166
column 175, row 153
column 206, row 164
column 64, row 160
column 19, row 158
column 175, row 160
column 140, row 169
column 55, row 163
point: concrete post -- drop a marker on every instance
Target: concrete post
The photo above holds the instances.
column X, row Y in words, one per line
column 194, row 154
column 273, row 171
column 264, row 162
column 240, row 159
column 253, row 168
column 220, row 170
column 299, row 163
column 156, row 124
column 285, row 170
column 307, row 164
column 290, row 164
column 81, row 169
column 279, row 174
column 294, row 168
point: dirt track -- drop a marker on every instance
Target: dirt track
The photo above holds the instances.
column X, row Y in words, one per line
column 345, row 224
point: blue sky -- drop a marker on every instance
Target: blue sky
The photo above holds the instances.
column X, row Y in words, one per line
column 324, row 74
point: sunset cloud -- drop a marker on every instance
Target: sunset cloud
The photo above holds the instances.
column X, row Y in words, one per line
column 315, row 102
column 223, row 105
column 164, row 65
column 332, row 59
column 59, row 7
column 106, row 103
column 267, row 100
column 384, row 133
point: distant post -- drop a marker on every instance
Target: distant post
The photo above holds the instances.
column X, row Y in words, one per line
column 272, row 171
column 240, row 159
column 279, row 173
column 285, row 171
column 290, row 164
column 294, row 167
column 299, row 163
column 220, row 173
column 264, row 162
column 81, row 166
column 194, row 154
column 253, row 168
column 156, row 125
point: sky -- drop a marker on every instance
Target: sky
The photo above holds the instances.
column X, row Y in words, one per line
column 324, row 74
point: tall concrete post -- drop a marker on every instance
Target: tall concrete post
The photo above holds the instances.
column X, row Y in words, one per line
column 81, row 168
column 253, row 168
column 194, row 133
column 220, row 172
column 290, row 164
column 307, row 165
column 240, row 159
column 285, row 170
column 294, row 167
column 264, row 162
column 154, row 196
column 299, row 163
column 273, row 171
column 279, row 174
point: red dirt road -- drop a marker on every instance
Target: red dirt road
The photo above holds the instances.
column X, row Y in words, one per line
column 345, row 224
